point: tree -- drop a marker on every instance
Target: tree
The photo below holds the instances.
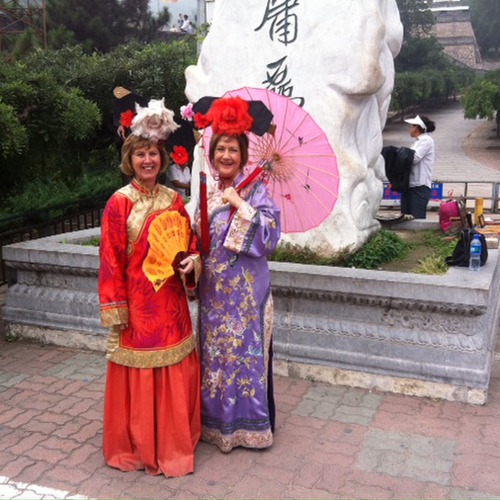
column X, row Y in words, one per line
column 482, row 99
column 13, row 136
column 141, row 24
column 416, row 18
column 95, row 24
column 46, row 125
column 419, row 53
column 485, row 18
column 99, row 25
column 56, row 107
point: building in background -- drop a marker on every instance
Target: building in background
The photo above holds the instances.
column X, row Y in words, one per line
column 205, row 11
column 454, row 32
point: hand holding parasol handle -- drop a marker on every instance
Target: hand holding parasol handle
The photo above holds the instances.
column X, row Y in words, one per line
column 245, row 182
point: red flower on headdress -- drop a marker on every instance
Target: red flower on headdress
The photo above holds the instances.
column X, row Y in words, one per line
column 227, row 116
column 180, row 156
column 126, row 118
column 201, row 121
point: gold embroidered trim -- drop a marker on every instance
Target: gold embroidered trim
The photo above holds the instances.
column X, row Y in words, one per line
column 191, row 292
column 246, row 211
column 113, row 341
column 147, row 358
column 197, row 267
column 247, row 439
column 144, row 204
column 114, row 315
column 239, row 228
column 268, row 330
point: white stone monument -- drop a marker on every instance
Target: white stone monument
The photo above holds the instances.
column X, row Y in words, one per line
column 335, row 58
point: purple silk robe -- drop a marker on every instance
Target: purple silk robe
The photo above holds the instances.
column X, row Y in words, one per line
column 236, row 313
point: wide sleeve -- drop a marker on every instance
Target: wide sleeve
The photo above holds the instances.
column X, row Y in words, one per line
column 190, row 281
column 255, row 227
column 113, row 256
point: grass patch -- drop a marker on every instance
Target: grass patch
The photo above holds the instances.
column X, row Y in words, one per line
column 439, row 247
column 286, row 252
column 421, row 252
column 93, row 242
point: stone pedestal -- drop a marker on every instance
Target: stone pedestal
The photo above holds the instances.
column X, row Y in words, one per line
column 407, row 333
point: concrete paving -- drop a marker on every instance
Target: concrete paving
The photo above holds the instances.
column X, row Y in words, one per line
column 330, row 442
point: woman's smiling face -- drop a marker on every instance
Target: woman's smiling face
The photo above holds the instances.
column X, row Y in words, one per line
column 227, row 158
column 146, row 163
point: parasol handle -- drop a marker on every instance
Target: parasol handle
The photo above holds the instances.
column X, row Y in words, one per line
column 245, row 182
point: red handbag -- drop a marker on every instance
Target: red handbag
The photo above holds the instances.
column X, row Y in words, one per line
column 448, row 210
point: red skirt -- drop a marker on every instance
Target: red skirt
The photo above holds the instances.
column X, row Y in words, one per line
column 152, row 417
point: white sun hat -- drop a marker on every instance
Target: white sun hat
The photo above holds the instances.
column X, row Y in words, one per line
column 417, row 121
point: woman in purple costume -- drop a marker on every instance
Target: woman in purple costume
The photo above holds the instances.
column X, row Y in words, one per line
column 236, row 307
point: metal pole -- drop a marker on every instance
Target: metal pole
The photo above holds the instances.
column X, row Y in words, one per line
column 494, row 197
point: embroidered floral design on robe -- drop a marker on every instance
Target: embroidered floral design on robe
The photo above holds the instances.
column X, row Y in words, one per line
column 236, row 320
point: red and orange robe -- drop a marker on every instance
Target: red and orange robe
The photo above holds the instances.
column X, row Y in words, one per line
column 152, row 397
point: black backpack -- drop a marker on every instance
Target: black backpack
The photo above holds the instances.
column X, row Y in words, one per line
column 461, row 252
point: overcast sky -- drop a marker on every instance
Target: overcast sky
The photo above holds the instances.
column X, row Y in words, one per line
column 180, row 7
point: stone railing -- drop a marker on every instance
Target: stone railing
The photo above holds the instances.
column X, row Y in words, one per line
column 407, row 333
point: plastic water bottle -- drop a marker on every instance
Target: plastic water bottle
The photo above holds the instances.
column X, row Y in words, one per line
column 475, row 254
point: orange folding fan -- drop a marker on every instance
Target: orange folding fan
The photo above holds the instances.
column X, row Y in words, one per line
column 169, row 234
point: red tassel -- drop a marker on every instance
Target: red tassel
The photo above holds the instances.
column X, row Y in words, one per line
column 205, row 230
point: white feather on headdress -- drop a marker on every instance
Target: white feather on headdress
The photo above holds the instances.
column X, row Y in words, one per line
column 154, row 122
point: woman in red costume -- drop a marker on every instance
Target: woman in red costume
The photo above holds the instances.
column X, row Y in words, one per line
column 152, row 397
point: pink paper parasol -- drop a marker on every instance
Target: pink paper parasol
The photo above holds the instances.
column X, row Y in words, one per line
column 300, row 167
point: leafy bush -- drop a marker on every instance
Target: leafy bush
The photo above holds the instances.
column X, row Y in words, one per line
column 40, row 195
column 56, row 118
column 93, row 242
column 432, row 264
column 482, row 99
column 13, row 136
column 383, row 247
column 418, row 88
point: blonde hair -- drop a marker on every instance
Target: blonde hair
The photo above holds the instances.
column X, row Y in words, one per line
column 133, row 143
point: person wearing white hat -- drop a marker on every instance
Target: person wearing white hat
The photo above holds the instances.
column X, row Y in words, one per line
column 414, row 200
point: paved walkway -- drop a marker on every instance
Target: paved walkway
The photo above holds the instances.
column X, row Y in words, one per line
column 331, row 442
column 466, row 150
column 453, row 138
